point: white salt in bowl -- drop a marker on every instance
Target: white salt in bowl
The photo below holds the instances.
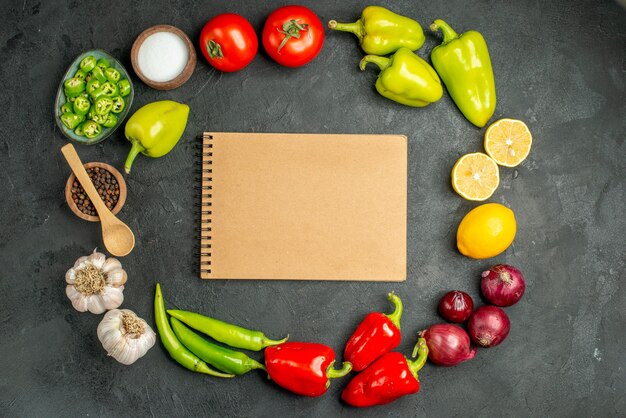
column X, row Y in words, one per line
column 163, row 57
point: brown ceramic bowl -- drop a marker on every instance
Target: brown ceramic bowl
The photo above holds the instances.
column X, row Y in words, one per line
column 182, row 77
column 120, row 202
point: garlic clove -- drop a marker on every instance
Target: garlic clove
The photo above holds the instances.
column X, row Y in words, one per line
column 97, row 259
column 111, row 264
column 95, row 304
column 78, row 301
column 70, row 276
column 113, row 297
column 116, row 278
column 80, row 261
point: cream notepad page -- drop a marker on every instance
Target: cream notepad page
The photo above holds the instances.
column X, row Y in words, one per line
column 304, row 206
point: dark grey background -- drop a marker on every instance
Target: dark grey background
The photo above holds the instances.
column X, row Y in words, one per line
column 559, row 66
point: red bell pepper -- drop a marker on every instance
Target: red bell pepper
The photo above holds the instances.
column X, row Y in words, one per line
column 303, row 368
column 387, row 379
column 376, row 335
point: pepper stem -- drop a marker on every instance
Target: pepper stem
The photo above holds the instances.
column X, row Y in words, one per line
column 331, row 373
column 421, row 351
column 354, row 27
column 448, row 33
column 267, row 342
column 394, row 317
column 134, row 151
column 382, row 62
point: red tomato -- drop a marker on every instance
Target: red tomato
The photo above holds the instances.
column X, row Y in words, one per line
column 293, row 35
column 228, row 42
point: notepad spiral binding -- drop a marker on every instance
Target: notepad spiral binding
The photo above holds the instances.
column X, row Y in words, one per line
column 205, row 204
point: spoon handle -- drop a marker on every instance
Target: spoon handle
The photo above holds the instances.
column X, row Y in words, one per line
column 69, row 152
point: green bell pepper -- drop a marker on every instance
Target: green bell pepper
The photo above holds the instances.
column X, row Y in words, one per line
column 155, row 129
column 405, row 78
column 381, row 31
column 463, row 64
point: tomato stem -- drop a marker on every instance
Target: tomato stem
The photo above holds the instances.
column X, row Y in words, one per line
column 214, row 49
column 291, row 29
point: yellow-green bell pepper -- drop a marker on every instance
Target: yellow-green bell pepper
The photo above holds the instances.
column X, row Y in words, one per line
column 406, row 78
column 463, row 64
column 381, row 31
column 155, row 129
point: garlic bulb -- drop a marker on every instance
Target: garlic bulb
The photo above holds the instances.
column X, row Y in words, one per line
column 125, row 336
column 95, row 283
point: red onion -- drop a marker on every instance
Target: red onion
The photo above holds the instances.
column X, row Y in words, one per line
column 488, row 326
column 503, row 285
column 448, row 345
column 456, row 306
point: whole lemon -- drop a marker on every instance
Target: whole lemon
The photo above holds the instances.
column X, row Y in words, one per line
column 486, row 231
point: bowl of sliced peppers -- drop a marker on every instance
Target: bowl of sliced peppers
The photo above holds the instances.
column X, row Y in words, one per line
column 94, row 97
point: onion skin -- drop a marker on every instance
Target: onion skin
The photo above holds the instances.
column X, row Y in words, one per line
column 502, row 285
column 456, row 306
column 488, row 326
column 448, row 344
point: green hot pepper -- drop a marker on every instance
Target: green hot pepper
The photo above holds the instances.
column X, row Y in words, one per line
column 92, row 85
column 174, row 347
column 110, row 89
column 464, row 65
column 227, row 360
column 124, row 87
column 224, row 332
column 98, row 74
column 91, row 129
column 103, row 63
column 103, row 105
column 81, row 106
column 110, row 120
column 88, row 63
column 406, row 78
column 155, row 129
column 80, row 74
column 118, row 104
column 73, row 86
column 67, row 108
column 71, row 120
column 381, row 31
column 112, row 75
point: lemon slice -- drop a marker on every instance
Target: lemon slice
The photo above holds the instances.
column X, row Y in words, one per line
column 508, row 142
column 475, row 176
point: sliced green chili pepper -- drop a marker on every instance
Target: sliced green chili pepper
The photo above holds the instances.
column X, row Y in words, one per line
column 227, row 360
column 92, row 86
column 81, row 105
column 118, row 104
column 226, row 333
column 176, row 350
column 110, row 89
column 100, row 119
column 91, row 129
column 73, row 86
column 112, row 74
column 97, row 93
column 103, row 105
column 80, row 74
column 98, row 74
column 110, row 120
column 71, row 120
column 88, row 63
column 79, row 130
column 103, row 63
column 67, row 108
column 124, row 87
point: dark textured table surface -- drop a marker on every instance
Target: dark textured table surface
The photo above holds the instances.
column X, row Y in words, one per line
column 559, row 66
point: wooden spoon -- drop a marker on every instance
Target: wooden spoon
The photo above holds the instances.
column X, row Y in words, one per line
column 117, row 236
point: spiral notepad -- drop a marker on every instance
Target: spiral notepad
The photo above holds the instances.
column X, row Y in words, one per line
column 303, row 206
